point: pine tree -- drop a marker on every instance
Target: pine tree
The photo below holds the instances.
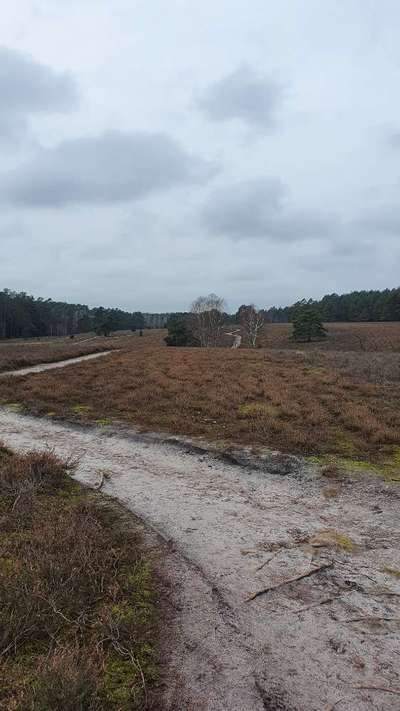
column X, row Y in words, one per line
column 179, row 333
column 307, row 324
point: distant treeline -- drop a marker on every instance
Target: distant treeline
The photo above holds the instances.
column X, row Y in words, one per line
column 23, row 316
column 356, row 306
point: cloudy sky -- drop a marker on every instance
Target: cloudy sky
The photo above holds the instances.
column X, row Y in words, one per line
column 152, row 151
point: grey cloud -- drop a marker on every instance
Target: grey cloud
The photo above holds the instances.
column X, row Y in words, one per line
column 393, row 139
column 384, row 220
column 12, row 230
column 257, row 209
column 244, row 209
column 27, row 88
column 247, row 272
column 12, row 130
column 113, row 167
column 244, row 95
column 353, row 261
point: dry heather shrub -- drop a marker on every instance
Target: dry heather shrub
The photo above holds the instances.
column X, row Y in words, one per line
column 38, row 471
column 66, row 680
column 332, row 471
column 52, row 576
column 73, row 586
column 300, row 402
column 21, row 354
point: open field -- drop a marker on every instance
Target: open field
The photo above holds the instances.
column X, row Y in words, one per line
column 20, row 353
column 314, row 402
column 361, row 337
column 358, row 337
column 77, row 618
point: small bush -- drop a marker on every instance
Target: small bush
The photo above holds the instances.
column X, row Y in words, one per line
column 66, row 681
column 38, row 471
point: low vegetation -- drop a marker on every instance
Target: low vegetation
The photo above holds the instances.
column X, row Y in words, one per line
column 309, row 402
column 21, row 354
column 340, row 337
column 77, row 622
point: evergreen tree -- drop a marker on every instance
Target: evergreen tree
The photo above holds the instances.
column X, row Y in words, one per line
column 356, row 306
column 307, row 324
column 179, row 333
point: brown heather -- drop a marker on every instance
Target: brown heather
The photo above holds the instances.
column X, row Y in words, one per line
column 300, row 400
column 20, row 354
column 76, row 617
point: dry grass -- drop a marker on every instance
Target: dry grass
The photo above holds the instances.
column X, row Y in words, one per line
column 301, row 402
column 76, row 617
column 22, row 353
column 360, row 337
column 309, row 401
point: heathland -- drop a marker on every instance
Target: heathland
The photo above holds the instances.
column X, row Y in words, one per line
column 335, row 397
column 298, row 551
column 77, row 611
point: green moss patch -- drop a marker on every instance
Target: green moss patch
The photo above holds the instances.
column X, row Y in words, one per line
column 388, row 469
column 391, row 571
column 14, row 406
column 344, row 444
column 81, row 409
column 332, row 539
column 254, row 409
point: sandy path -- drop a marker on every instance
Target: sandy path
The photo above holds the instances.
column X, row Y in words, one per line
column 226, row 522
column 51, row 366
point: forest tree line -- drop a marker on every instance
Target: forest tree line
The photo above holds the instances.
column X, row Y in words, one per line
column 355, row 306
column 23, row 316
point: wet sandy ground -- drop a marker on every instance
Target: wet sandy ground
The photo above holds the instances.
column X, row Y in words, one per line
column 326, row 641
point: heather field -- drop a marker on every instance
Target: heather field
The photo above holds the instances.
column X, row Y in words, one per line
column 20, row 354
column 312, row 400
column 360, row 337
column 78, row 617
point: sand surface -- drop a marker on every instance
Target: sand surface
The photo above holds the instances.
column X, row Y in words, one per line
column 307, row 645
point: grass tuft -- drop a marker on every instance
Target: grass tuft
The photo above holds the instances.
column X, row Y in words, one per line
column 391, row 571
column 332, row 539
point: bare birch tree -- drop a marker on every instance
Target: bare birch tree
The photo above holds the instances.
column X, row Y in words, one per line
column 207, row 319
column 252, row 321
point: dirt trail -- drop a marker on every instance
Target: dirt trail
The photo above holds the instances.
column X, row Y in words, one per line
column 50, row 366
column 308, row 645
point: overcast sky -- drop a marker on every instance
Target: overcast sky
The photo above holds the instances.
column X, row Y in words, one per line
column 155, row 150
